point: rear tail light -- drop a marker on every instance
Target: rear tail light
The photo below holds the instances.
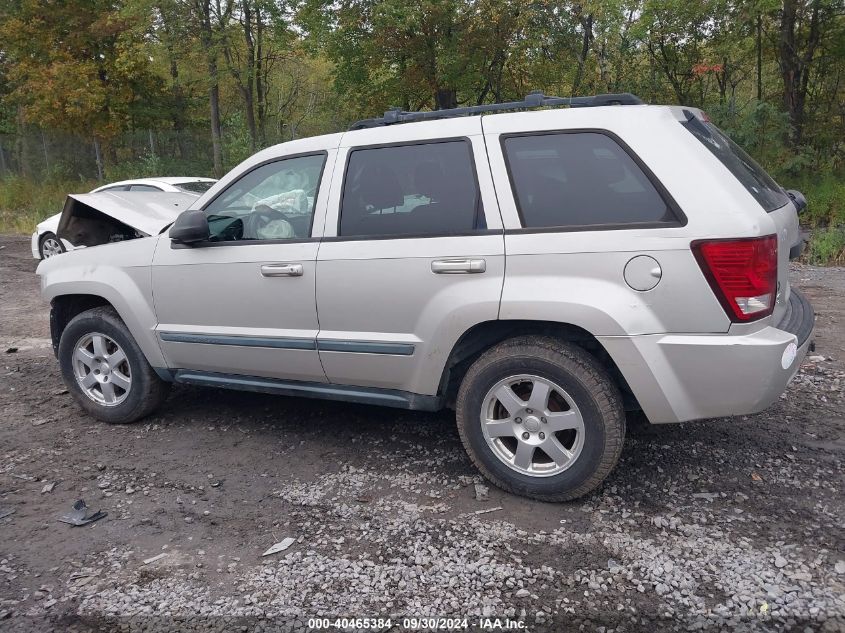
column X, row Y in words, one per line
column 742, row 273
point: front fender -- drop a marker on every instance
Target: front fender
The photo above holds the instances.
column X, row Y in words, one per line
column 117, row 272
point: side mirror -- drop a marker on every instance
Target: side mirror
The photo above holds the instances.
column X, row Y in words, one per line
column 190, row 227
column 798, row 198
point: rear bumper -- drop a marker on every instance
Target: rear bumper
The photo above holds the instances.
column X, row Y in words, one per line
column 681, row 377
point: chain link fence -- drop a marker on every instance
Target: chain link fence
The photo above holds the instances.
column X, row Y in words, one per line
column 42, row 154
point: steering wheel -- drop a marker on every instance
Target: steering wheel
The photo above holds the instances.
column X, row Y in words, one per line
column 260, row 217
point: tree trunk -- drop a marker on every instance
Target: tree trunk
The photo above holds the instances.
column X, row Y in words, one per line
column 98, row 157
column 249, row 106
column 248, row 86
column 214, row 107
column 587, row 25
column 795, row 64
column 759, row 57
column 204, row 10
column 177, row 112
column 260, row 86
column 3, row 167
column 22, row 146
column 46, row 153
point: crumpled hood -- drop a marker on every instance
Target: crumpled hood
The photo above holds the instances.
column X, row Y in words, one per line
column 147, row 213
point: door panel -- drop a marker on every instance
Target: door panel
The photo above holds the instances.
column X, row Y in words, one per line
column 246, row 304
column 241, row 321
column 394, row 290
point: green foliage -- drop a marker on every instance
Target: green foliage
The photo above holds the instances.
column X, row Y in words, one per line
column 827, row 247
column 125, row 71
column 825, row 193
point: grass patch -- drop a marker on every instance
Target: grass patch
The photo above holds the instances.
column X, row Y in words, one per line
column 826, row 247
column 825, row 199
column 24, row 203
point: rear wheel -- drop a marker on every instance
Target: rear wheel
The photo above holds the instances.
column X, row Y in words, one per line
column 50, row 245
column 105, row 370
column 540, row 417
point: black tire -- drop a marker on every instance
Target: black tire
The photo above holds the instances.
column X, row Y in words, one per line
column 44, row 240
column 147, row 390
column 582, row 377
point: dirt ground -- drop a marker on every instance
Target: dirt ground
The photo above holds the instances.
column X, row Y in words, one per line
column 729, row 523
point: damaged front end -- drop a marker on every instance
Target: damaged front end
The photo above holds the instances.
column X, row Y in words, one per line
column 100, row 218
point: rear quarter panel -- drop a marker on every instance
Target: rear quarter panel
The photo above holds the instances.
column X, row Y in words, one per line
column 576, row 276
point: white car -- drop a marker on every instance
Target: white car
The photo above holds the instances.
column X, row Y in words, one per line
column 45, row 243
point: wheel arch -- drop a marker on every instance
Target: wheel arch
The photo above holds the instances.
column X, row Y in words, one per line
column 63, row 308
column 482, row 336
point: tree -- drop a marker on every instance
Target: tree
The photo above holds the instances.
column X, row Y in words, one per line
column 80, row 66
column 803, row 26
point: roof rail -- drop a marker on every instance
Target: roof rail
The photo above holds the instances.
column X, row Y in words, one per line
column 534, row 100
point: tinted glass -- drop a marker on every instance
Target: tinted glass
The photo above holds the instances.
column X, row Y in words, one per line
column 143, row 188
column 272, row 202
column 753, row 177
column 197, row 186
column 427, row 189
column 580, row 179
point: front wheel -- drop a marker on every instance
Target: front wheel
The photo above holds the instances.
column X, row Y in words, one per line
column 50, row 246
column 541, row 418
column 105, row 370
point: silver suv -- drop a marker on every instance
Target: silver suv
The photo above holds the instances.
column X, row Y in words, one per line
column 541, row 272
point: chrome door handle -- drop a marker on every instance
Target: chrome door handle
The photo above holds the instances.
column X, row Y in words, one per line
column 458, row 266
column 282, row 270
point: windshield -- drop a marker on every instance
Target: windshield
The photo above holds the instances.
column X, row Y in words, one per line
column 196, row 186
column 753, row 177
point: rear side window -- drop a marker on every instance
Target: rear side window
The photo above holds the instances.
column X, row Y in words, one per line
column 423, row 189
column 753, row 177
column 580, row 179
column 143, row 188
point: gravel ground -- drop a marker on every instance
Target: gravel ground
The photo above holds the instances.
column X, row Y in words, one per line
column 735, row 523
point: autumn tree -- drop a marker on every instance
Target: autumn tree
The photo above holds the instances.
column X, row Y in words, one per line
column 79, row 66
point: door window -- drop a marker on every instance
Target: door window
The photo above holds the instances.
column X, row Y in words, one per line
column 579, row 180
column 422, row 189
column 272, row 202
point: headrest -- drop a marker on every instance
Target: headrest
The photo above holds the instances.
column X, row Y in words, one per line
column 378, row 186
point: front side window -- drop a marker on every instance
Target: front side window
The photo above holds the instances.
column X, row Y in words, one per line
column 580, row 179
column 272, row 202
column 424, row 189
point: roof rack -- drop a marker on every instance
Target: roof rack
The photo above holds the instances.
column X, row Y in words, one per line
column 534, row 100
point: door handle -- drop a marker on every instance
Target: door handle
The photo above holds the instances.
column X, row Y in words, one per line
column 458, row 266
column 282, row 270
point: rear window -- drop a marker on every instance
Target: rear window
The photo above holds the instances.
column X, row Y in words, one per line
column 197, row 186
column 576, row 180
column 753, row 177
